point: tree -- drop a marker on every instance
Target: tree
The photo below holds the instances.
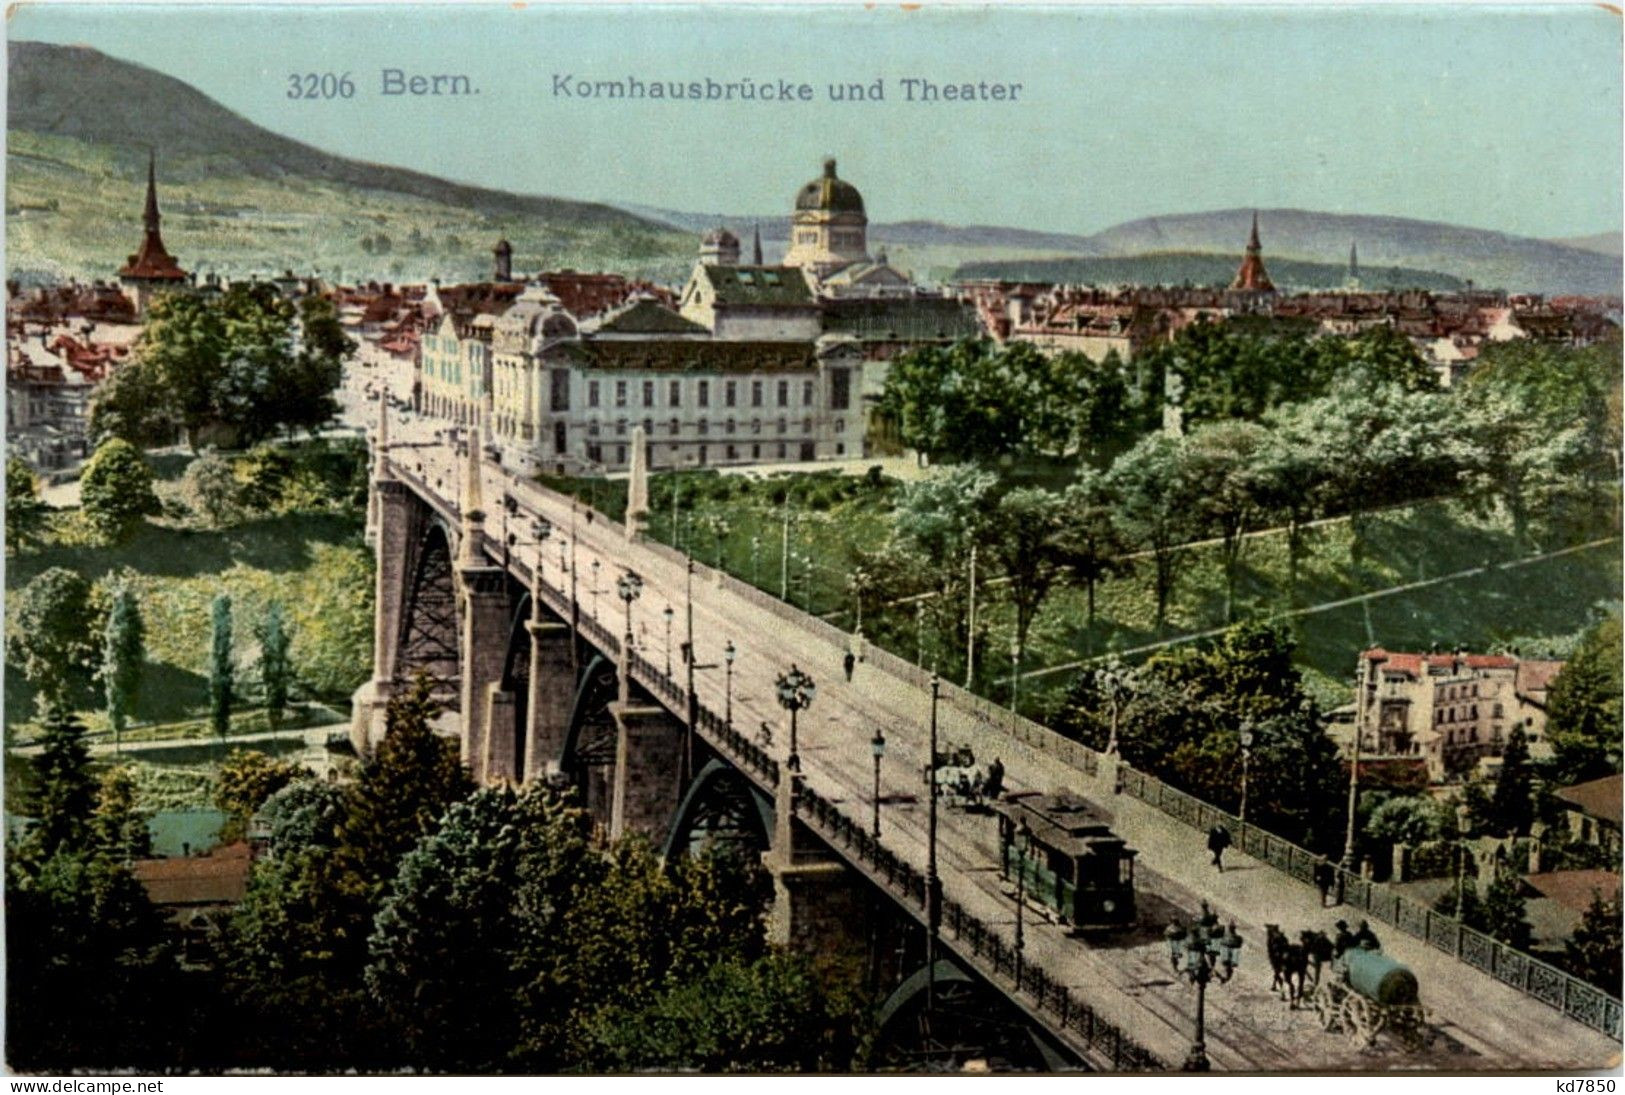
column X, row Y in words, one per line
column 1024, row 537
column 1504, row 915
column 1512, row 805
column 1593, row 951
column 978, row 401
column 49, row 633
column 275, row 669
column 211, row 489
column 1156, row 508
column 1290, row 477
column 115, row 491
column 1092, row 544
column 119, row 826
column 123, row 658
column 25, row 510
column 1222, row 462
column 64, row 795
column 1584, row 720
column 1409, row 819
column 220, row 666
column 247, row 778
column 767, row 1016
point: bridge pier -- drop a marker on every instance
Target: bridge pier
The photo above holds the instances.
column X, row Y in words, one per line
column 486, row 619
column 552, row 686
column 391, row 503
column 648, row 769
column 819, row 906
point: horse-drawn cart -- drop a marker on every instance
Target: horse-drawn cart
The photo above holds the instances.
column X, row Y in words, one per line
column 1368, row 993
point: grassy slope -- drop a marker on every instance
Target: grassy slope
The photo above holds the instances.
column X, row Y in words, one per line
column 240, row 223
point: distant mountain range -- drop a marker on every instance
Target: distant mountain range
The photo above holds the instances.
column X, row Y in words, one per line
column 240, row 198
column 1196, row 268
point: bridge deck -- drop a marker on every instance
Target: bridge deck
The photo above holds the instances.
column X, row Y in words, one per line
column 1482, row 1023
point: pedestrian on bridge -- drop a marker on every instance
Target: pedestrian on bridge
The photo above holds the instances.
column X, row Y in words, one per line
column 848, row 663
column 1325, row 875
column 1218, row 839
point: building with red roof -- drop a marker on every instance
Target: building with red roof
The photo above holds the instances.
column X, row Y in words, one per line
column 1452, row 710
column 151, row 269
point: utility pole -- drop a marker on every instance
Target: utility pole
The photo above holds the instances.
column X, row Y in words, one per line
column 784, row 554
column 970, row 624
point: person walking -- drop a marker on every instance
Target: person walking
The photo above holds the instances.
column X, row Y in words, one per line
column 1325, row 875
column 1218, row 839
column 848, row 663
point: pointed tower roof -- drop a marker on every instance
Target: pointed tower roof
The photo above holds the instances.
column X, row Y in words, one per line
column 152, row 262
column 756, row 245
column 1251, row 276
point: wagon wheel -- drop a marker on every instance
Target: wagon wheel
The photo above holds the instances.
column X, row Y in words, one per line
column 1358, row 1019
column 1326, row 1006
column 1411, row 1027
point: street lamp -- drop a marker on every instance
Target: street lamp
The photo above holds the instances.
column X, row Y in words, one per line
column 1015, row 675
column 595, row 589
column 755, row 561
column 540, row 529
column 877, row 745
column 1246, row 758
column 1025, row 836
column 1114, row 680
column 795, row 693
column 728, row 653
column 1201, row 953
column 629, row 586
column 933, row 886
column 668, row 614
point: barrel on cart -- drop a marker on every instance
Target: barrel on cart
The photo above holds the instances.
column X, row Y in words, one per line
column 1368, row 993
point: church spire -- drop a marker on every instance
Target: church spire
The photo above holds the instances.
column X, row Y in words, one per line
column 756, row 245
column 1251, row 276
column 150, row 217
column 1252, row 241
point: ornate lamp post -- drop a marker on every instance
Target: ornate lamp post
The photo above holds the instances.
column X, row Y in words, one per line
column 1246, row 759
column 540, row 529
column 877, row 746
column 1201, row 953
column 1015, row 675
column 629, row 587
column 728, row 654
column 1024, row 838
column 668, row 614
column 933, row 885
column 795, row 693
column 595, row 589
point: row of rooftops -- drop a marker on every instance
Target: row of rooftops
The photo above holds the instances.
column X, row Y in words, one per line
column 1533, row 675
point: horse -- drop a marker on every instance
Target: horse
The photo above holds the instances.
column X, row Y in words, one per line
column 1289, row 962
column 1317, row 948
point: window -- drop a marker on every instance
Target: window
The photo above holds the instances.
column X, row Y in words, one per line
column 806, row 393
column 781, row 450
column 674, row 393
column 675, row 427
column 648, row 393
column 648, row 427
column 840, row 389
column 620, row 454
column 756, row 393
column 592, row 431
column 730, row 393
column 806, row 425
column 620, row 425
column 560, row 379
column 784, row 393
column 756, row 425
column 595, row 453
column 840, row 449
column 1499, row 711
column 733, row 454
column 782, row 425
column 620, row 393
column 755, row 452
column 840, row 425
column 560, row 436
column 729, row 427
column 705, row 427
column 705, row 393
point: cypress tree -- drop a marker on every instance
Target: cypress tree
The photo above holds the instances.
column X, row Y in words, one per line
column 123, row 654
column 275, row 670
column 220, row 671
column 64, row 797
column 1511, row 806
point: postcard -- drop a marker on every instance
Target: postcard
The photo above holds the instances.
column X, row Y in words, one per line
column 621, row 539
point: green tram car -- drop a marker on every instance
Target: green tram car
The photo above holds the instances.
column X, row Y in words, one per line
column 1062, row 850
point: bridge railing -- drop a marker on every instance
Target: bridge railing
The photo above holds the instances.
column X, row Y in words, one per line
column 980, row 944
column 1578, row 999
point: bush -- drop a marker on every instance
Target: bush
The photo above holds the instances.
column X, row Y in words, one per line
column 116, row 490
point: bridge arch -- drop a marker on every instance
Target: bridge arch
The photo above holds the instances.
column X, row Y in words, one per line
column 720, row 806
column 430, row 633
column 588, row 756
column 970, row 1023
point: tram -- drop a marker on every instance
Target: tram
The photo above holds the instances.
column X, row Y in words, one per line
column 1061, row 848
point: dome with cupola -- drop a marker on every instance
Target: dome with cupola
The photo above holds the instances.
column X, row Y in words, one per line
column 829, row 193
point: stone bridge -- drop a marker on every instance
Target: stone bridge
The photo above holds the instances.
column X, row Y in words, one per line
column 655, row 697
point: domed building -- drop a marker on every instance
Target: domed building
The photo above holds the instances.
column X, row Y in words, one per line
column 829, row 228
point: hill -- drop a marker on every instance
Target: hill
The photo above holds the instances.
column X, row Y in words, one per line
column 241, row 198
column 1604, row 243
column 1186, row 267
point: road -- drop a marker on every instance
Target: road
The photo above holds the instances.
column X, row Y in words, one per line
column 1482, row 1024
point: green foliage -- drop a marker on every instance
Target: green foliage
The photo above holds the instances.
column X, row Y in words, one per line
column 91, row 963
column 1504, row 914
column 115, row 491
column 123, row 658
column 1584, row 722
column 1091, row 543
column 1593, row 951
column 275, row 670
column 221, row 668
column 304, row 814
column 766, row 1016
column 64, row 793
column 49, row 629
column 246, row 779
column 1411, row 820
column 25, row 510
column 1157, row 507
column 1511, row 807
column 210, row 489
column 230, row 368
column 1025, row 538
column 120, row 825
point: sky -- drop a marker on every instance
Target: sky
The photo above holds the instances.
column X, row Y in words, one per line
column 1495, row 117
